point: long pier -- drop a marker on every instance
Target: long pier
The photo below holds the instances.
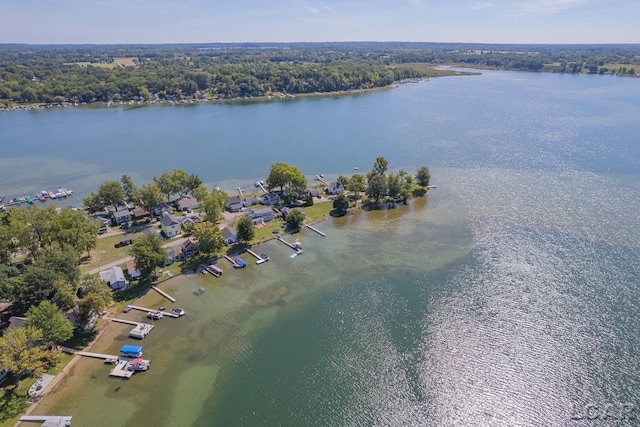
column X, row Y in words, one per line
column 128, row 322
column 163, row 293
column 232, row 261
column 291, row 245
column 259, row 259
column 148, row 310
column 89, row 354
column 316, row 230
column 49, row 420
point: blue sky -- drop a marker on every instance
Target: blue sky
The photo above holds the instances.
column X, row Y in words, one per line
column 184, row 21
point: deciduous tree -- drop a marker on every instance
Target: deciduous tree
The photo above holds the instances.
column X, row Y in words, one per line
column 110, row 193
column 423, row 176
column 295, row 219
column 150, row 196
column 209, row 237
column 21, row 352
column 148, row 254
column 55, row 327
column 340, row 205
column 245, row 229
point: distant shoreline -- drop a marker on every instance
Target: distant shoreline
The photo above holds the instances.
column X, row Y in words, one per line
column 192, row 102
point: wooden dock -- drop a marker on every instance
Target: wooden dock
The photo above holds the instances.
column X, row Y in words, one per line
column 316, row 230
column 89, row 354
column 128, row 322
column 148, row 310
column 232, row 261
column 49, row 420
column 259, row 259
column 291, row 245
column 120, row 370
column 163, row 293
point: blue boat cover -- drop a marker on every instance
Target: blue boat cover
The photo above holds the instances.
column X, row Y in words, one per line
column 131, row 350
column 241, row 262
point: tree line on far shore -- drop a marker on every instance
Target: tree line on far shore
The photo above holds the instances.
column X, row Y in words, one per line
column 58, row 74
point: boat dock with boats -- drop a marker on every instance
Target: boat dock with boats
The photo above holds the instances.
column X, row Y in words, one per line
column 42, row 196
column 296, row 245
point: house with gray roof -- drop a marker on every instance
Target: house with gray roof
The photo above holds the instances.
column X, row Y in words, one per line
column 230, row 235
column 120, row 217
column 170, row 225
column 114, row 277
column 260, row 215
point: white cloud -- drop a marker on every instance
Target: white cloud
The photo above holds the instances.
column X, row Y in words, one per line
column 545, row 7
column 416, row 3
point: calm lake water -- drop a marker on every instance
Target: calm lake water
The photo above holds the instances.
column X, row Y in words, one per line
column 510, row 296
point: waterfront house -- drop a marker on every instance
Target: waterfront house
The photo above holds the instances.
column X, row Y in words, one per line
column 335, row 188
column 271, row 199
column 140, row 213
column 314, row 192
column 250, row 201
column 160, row 209
column 171, row 256
column 189, row 248
column 188, row 203
column 114, row 278
column 260, row 215
column 170, row 225
column 230, row 235
column 121, row 217
column 235, row 204
column 132, row 271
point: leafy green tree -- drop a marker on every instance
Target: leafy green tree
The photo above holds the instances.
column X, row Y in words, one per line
column 93, row 203
column 295, row 219
column 394, row 186
column 55, row 327
column 423, row 176
column 32, row 287
column 21, row 352
column 278, row 176
column 166, row 185
column 76, row 230
column 7, row 248
column 33, row 227
column 343, row 180
column 63, row 262
column 130, row 190
column 245, row 229
column 357, row 184
column 150, row 196
column 376, row 188
column 213, row 204
column 209, row 237
column 148, row 254
column 380, row 166
column 340, row 205
column 110, row 193
column 64, row 296
column 95, row 296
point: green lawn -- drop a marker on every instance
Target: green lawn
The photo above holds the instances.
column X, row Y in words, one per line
column 105, row 253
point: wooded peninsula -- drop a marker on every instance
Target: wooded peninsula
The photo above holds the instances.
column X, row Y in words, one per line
column 59, row 74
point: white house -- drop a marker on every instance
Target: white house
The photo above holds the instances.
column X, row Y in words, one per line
column 170, row 225
column 114, row 278
column 260, row 215
column 230, row 235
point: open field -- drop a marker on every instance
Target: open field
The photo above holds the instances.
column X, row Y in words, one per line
column 93, row 64
column 126, row 62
